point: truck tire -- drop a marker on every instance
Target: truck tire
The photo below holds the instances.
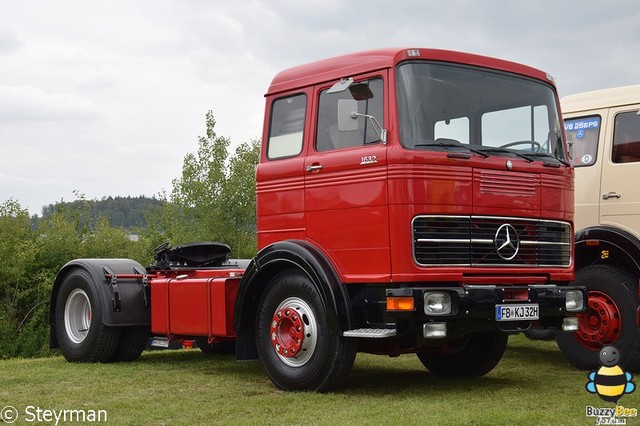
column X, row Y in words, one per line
column 543, row 334
column 132, row 342
column 78, row 317
column 478, row 354
column 221, row 348
column 611, row 319
column 295, row 345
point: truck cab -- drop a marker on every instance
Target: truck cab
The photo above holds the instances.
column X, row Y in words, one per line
column 435, row 190
column 603, row 133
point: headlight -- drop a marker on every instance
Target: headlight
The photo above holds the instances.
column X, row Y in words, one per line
column 434, row 330
column 437, row 303
column 574, row 300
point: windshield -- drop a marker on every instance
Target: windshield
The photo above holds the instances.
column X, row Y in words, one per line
column 445, row 106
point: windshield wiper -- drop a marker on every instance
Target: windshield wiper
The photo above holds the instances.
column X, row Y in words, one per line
column 549, row 156
column 508, row 151
column 451, row 143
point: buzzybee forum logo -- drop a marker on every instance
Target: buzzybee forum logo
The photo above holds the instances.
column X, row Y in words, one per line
column 610, row 382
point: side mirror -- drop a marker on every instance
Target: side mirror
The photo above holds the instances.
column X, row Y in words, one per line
column 347, row 118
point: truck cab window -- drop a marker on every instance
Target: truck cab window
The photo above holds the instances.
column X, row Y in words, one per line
column 524, row 123
column 582, row 137
column 626, row 138
column 287, row 127
column 454, row 128
column 368, row 94
column 444, row 105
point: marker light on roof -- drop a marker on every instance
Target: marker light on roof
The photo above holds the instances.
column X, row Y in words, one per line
column 413, row 52
column 550, row 78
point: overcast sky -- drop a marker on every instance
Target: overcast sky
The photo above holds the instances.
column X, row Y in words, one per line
column 107, row 97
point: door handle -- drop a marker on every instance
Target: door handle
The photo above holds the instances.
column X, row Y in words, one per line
column 610, row 195
column 314, row 167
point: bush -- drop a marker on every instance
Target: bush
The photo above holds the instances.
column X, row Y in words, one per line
column 31, row 260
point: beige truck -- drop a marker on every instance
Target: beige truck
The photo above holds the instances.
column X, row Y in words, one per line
column 603, row 132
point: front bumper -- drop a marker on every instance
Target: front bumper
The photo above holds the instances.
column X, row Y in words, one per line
column 474, row 307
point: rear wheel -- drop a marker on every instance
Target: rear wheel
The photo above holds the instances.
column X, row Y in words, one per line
column 294, row 343
column 78, row 317
column 474, row 356
column 132, row 342
column 611, row 319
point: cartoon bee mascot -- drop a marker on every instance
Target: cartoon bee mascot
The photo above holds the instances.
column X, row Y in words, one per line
column 610, row 382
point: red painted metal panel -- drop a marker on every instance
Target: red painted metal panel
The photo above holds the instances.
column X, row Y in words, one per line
column 347, row 211
column 280, row 200
column 360, row 62
column 222, row 301
column 189, row 309
column 160, row 306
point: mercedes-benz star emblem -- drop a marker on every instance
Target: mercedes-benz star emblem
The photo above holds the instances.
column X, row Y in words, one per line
column 507, row 242
column 509, row 165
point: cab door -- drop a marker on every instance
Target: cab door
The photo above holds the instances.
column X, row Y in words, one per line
column 280, row 174
column 586, row 136
column 620, row 193
column 346, row 203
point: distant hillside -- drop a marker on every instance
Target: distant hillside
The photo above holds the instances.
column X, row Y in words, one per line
column 126, row 212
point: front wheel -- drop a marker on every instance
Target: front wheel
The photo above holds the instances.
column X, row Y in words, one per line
column 474, row 356
column 78, row 317
column 295, row 345
column 610, row 319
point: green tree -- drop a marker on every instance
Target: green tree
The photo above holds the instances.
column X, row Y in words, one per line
column 213, row 199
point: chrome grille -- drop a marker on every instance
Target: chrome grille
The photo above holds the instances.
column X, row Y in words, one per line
column 474, row 241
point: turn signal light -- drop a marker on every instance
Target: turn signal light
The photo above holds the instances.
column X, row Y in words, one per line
column 395, row 303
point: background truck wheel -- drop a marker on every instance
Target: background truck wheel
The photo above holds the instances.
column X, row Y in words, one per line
column 295, row 346
column 478, row 354
column 540, row 334
column 611, row 319
column 78, row 318
column 220, row 348
column 132, row 342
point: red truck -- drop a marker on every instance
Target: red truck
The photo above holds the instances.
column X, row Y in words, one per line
column 408, row 201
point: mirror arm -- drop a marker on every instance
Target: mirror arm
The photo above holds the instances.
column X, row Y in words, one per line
column 382, row 133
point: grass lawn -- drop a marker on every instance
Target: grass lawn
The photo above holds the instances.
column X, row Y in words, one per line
column 532, row 385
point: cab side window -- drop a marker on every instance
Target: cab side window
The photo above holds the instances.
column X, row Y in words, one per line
column 286, row 128
column 583, row 134
column 368, row 95
column 626, row 138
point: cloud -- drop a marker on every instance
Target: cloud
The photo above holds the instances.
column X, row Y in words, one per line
column 9, row 42
column 28, row 103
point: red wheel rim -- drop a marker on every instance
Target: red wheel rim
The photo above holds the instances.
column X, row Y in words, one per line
column 600, row 325
column 287, row 332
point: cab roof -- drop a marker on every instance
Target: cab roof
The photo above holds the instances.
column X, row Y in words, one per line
column 605, row 98
column 372, row 60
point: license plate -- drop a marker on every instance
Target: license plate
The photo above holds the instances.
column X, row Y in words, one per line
column 528, row 312
column 161, row 343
